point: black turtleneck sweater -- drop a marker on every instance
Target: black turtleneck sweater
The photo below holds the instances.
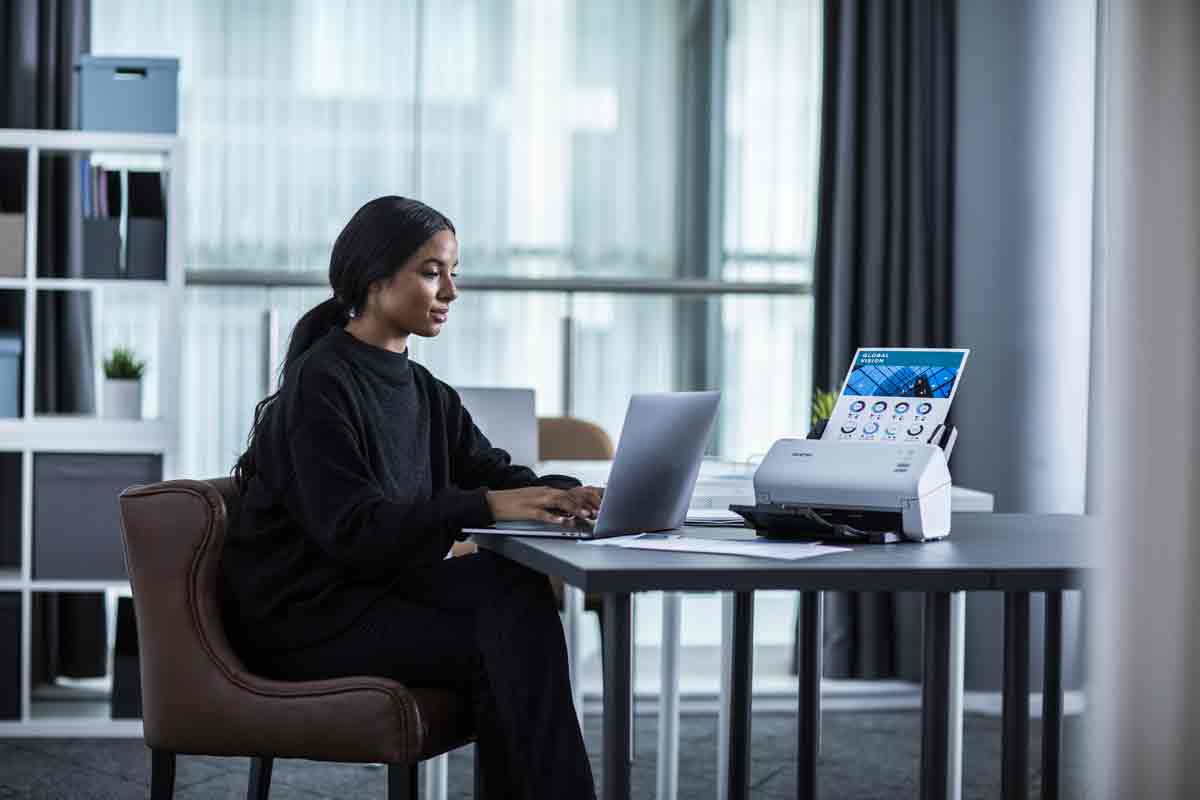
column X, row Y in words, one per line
column 368, row 467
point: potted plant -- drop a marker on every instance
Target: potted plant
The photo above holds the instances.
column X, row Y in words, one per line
column 822, row 409
column 123, row 384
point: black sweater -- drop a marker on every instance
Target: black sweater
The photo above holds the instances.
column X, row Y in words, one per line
column 368, row 467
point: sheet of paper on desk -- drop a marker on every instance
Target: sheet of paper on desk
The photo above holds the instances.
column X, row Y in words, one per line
column 714, row 516
column 760, row 548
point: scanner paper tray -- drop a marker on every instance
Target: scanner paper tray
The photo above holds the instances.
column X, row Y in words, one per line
column 822, row 524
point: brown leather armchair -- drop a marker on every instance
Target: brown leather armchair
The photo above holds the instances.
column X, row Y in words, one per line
column 572, row 439
column 199, row 699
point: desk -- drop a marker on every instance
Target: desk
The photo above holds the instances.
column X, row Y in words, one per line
column 1017, row 554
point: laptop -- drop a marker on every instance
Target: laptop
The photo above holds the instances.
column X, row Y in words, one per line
column 507, row 418
column 653, row 474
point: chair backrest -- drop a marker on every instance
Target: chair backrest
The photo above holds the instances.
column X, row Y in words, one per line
column 571, row 439
column 173, row 533
column 507, row 417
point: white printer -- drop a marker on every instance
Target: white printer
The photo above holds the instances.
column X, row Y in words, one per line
column 851, row 491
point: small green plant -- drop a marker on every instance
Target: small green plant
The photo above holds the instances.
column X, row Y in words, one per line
column 822, row 405
column 123, row 365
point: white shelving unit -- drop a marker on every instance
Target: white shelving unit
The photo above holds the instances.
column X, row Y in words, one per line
column 161, row 301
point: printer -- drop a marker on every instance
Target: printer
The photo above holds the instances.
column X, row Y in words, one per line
column 851, row 491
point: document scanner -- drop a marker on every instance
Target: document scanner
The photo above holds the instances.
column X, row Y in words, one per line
column 851, row 491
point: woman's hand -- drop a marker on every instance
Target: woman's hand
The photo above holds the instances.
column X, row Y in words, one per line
column 539, row 503
column 589, row 499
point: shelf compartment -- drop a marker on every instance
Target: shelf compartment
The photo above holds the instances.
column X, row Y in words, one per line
column 10, row 657
column 10, row 516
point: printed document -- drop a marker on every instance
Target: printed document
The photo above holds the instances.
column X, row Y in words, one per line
column 760, row 548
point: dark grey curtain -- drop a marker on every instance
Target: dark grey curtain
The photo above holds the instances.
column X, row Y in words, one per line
column 882, row 267
column 42, row 41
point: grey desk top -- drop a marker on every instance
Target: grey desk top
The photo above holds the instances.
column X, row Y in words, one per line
column 1005, row 552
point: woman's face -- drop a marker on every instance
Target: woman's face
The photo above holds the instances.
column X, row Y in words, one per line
column 417, row 298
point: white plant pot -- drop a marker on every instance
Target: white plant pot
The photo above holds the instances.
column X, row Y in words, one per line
column 122, row 399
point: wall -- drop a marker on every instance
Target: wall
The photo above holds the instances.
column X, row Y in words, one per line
column 1023, row 255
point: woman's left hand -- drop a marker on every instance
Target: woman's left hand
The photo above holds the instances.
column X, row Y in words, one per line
column 589, row 498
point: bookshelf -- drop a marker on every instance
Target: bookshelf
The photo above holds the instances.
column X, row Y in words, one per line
column 145, row 314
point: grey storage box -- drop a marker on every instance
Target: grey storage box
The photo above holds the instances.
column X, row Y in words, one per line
column 146, row 249
column 128, row 94
column 10, row 655
column 12, row 245
column 101, row 247
column 10, row 374
column 76, row 523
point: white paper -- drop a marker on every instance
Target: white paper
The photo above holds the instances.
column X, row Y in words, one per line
column 761, row 548
column 713, row 516
column 896, row 394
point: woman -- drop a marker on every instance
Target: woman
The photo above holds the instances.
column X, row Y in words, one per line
column 361, row 472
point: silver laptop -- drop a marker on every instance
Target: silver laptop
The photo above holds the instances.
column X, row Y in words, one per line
column 653, row 474
column 507, row 418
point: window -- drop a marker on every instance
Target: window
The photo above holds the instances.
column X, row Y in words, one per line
column 555, row 133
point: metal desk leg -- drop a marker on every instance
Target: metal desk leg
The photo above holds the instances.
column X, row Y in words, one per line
column 1052, row 698
column 723, row 700
column 668, row 700
column 810, row 694
column 958, row 649
column 1015, row 738
column 435, row 773
column 573, row 624
column 740, row 694
column 935, row 698
column 618, row 695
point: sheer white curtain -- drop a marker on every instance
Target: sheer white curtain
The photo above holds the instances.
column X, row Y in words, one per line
column 772, row 132
column 544, row 128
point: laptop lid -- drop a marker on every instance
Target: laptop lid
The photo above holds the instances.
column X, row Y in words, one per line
column 507, row 417
column 658, row 458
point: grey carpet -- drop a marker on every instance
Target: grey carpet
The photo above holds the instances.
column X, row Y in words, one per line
column 864, row 755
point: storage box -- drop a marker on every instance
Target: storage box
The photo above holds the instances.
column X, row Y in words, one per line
column 128, row 94
column 76, row 522
column 10, row 374
column 101, row 247
column 146, row 251
column 10, row 655
column 12, row 245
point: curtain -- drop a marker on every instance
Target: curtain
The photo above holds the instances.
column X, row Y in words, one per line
column 43, row 39
column 882, row 266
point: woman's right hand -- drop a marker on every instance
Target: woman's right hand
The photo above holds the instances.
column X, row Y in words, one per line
column 539, row 503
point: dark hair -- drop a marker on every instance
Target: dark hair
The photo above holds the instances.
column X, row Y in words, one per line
column 373, row 246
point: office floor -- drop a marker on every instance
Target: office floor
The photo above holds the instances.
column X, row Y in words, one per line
column 865, row 755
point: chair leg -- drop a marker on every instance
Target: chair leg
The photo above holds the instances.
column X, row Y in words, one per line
column 402, row 782
column 162, row 774
column 260, row 779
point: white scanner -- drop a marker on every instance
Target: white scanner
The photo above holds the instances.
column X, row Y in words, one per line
column 851, row 491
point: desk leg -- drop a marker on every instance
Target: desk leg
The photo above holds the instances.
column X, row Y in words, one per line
column 935, row 698
column 1052, row 698
column 740, row 694
column 809, row 735
column 723, row 696
column 668, row 700
column 573, row 606
column 618, row 696
column 1015, row 737
column 958, row 649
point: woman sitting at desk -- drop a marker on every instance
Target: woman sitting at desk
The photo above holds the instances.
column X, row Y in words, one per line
column 360, row 473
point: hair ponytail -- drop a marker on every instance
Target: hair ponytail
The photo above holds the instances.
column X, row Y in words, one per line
column 375, row 243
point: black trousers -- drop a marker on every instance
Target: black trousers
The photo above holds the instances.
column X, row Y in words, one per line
column 482, row 625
